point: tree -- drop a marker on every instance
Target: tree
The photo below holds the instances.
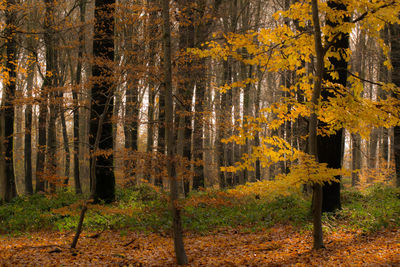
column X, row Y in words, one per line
column 7, row 178
column 76, row 131
column 180, row 253
column 395, row 60
column 313, row 126
column 101, row 139
column 331, row 147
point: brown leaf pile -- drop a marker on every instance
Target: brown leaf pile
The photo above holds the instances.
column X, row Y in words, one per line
column 279, row 246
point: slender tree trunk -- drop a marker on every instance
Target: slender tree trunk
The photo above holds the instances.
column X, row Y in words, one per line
column 49, row 83
column 43, row 109
column 7, row 177
column 395, row 58
column 186, row 83
column 132, row 108
column 51, row 166
column 198, row 143
column 151, row 33
column 66, row 147
column 355, row 159
column 313, row 143
column 78, row 81
column 180, row 254
column 101, row 127
column 28, row 131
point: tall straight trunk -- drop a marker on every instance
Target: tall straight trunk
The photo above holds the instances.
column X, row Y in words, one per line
column 186, row 82
column 198, row 143
column 66, row 147
column 28, row 130
column 48, row 84
column 355, row 158
column 160, row 135
column 132, row 106
column 223, row 122
column 219, row 146
column 51, row 165
column 331, row 148
column 200, row 95
column 395, row 58
column 384, row 146
column 41, row 136
column 101, row 127
column 161, row 132
column 201, row 87
column 131, row 124
column 44, row 95
column 180, row 254
column 313, row 126
column 7, row 178
column 78, row 81
column 257, row 141
column 373, row 157
column 151, row 32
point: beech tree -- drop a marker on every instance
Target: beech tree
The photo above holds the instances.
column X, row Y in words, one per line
column 101, row 140
column 7, row 178
column 395, row 60
column 180, row 253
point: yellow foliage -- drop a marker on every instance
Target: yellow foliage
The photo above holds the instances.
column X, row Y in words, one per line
column 306, row 171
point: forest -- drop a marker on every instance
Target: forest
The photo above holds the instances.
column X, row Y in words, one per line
column 200, row 132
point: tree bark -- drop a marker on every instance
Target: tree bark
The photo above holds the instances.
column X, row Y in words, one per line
column 101, row 138
column 152, row 30
column 78, row 81
column 395, row 59
column 313, row 143
column 7, row 177
column 186, row 83
column 180, row 254
column 331, row 148
column 28, row 131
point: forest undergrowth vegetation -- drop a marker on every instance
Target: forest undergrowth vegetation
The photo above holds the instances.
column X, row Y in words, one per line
column 144, row 208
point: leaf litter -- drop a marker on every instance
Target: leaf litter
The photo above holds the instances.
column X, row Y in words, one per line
column 281, row 245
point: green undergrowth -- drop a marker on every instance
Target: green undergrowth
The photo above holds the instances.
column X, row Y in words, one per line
column 371, row 210
column 142, row 208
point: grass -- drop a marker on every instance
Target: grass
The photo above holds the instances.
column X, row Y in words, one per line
column 142, row 208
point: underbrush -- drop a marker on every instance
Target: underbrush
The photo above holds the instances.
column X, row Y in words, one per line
column 376, row 208
column 142, row 208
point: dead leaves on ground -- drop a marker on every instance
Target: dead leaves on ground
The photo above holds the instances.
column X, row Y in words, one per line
column 281, row 245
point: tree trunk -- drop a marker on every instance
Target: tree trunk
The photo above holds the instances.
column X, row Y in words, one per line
column 28, row 131
column 185, row 90
column 395, row 59
column 355, row 159
column 7, row 177
column 101, row 138
column 331, row 148
column 152, row 30
column 66, row 146
column 180, row 254
column 313, row 142
column 78, row 81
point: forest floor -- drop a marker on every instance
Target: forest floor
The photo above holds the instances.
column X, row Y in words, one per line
column 277, row 246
